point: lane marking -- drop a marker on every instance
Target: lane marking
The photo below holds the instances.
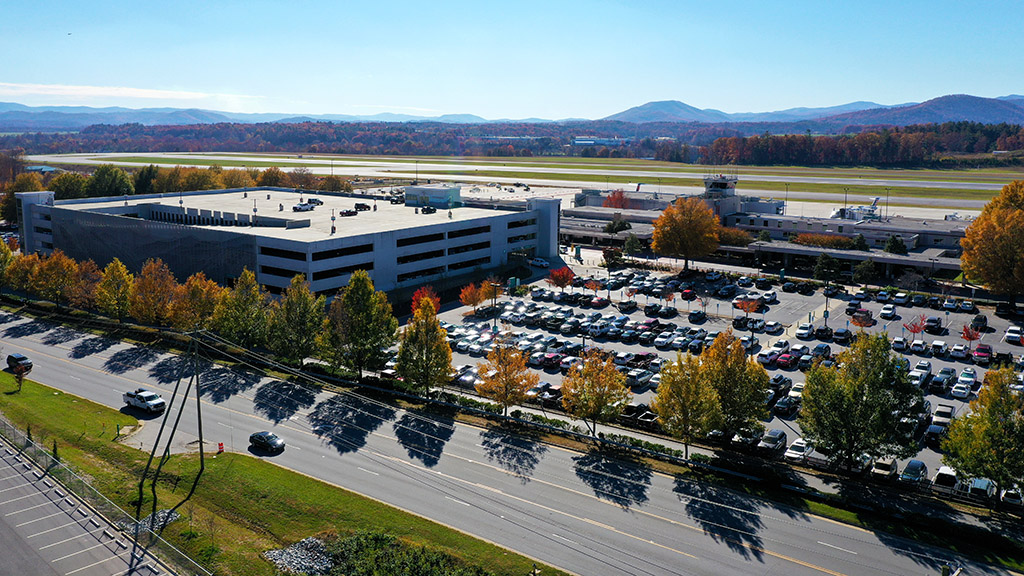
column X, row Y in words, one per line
column 457, row 501
column 50, row 530
column 66, row 556
column 369, row 471
column 14, row 488
column 43, row 518
column 226, row 426
column 21, row 498
column 77, row 536
column 564, row 538
column 114, row 557
column 833, row 546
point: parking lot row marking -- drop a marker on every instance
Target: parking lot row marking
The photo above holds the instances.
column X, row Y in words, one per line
column 27, row 509
column 66, row 556
column 77, row 536
column 17, row 475
column 43, row 518
column 47, row 531
column 21, row 498
column 114, row 557
column 15, row 488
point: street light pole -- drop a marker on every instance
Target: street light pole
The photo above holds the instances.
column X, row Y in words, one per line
column 887, row 203
column 785, row 205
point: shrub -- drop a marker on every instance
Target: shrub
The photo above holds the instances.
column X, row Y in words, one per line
column 833, row 241
column 734, row 237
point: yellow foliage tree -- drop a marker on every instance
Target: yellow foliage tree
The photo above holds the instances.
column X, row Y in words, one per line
column 84, row 293
column 152, row 293
column 194, row 303
column 114, row 292
column 505, row 377
column 993, row 247
column 55, row 277
column 596, row 392
column 687, row 404
column 687, row 229
column 236, row 179
column 739, row 380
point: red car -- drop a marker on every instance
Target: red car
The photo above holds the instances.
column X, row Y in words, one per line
column 982, row 354
column 688, row 294
column 786, row 361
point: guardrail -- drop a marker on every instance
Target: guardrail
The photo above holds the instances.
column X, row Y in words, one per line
column 174, row 560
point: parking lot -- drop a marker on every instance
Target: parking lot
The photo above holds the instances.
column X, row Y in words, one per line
column 46, row 530
column 583, row 323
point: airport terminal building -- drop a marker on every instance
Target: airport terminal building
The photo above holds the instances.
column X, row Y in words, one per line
column 220, row 232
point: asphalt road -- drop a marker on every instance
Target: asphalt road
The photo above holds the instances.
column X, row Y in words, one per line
column 585, row 513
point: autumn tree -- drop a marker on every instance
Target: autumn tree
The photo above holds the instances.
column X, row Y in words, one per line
column 301, row 178
column 194, row 303
column 114, row 292
column 687, row 229
column 505, row 378
column 561, row 277
column 970, row 335
column 332, row 183
column 424, row 358
column 54, row 278
column 748, row 306
column 687, row 405
column 241, row 315
column 236, row 179
column 986, row 441
column 68, row 185
column 360, row 326
column 294, row 322
column 616, row 199
column 153, row 292
column 471, row 296
column 20, row 271
column 109, row 180
column 273, row 176
column 596, row 392
column 7, row 257
column 491, row 289
column 593, row 285
column 202, row 179
column 853, row 407
column 993, row 245
column 26, row 182
column 738, row 379
column 426, row 291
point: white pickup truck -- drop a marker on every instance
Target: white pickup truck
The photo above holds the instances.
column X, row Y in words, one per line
column 145, row 400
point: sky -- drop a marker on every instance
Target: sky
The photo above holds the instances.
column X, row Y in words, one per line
column 508, row 59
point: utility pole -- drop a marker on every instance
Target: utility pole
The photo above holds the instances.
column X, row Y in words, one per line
column 887, row 203
column 785, row 205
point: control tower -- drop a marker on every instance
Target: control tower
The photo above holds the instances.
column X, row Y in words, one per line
column 720, row 193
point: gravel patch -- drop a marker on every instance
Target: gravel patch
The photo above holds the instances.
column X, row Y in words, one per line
column 307, row 556
column 155, row 522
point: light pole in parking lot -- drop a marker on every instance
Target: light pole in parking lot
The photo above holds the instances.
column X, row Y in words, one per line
column 785, row 204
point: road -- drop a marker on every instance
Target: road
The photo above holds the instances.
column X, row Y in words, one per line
column 585, row 513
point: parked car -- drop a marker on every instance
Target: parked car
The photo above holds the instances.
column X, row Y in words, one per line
column 899, row 344
column 772, row 327
column 787, row 406
column 842, row 336
column 1013, row 335
column 914, row 475
column 696, row 316
column 823, row 333
column 773, row 443
column 798, row 450
column 888, row 312
column 805, row 331
column 982, row 354
column 959, row 352
column 885, row 470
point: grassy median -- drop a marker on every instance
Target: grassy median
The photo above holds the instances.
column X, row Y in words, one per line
column 243, row 505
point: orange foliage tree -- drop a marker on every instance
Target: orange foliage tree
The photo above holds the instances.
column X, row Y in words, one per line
column 425, row 291
column 617, row 199
column 152, row 292
column 471, row 296
column 970, row 335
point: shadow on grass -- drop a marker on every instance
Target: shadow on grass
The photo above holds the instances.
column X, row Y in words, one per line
column 61, row 335
column 513, row 451
column 30, row 328
column 346, row 421
column 129, row 359
column 279, row 400
column 91, row 346
column 220, row 383
column 614, row 477
column 424, row 437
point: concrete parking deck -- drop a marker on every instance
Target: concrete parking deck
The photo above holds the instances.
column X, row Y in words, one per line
column 48, row 531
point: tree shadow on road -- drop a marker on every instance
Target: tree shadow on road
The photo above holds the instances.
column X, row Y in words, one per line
column 170, row 368
column 728, row 517
column 347, row 420
column 279, row 400
column 30, row 328
column 220, row 383
column 129, row 359
column 91, row 346
column 513, row 451
column 61, row 335
column 6, row 318
column 424, row 436
column 614, row 478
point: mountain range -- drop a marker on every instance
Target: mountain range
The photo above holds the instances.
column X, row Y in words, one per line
column 960, row 107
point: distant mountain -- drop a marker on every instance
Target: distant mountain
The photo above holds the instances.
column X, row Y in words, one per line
column 668, row 111
column 954, row 108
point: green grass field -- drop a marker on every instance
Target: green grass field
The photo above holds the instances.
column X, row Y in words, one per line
column 243, row 506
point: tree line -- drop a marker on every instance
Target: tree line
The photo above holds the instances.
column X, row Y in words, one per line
column 929, row 144
column 109, row 180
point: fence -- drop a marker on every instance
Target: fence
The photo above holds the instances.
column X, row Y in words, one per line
column 144, row 536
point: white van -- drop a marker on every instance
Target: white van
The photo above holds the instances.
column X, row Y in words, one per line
column 945, row 481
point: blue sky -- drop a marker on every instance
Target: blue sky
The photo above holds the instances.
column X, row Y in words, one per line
column 512, row 59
